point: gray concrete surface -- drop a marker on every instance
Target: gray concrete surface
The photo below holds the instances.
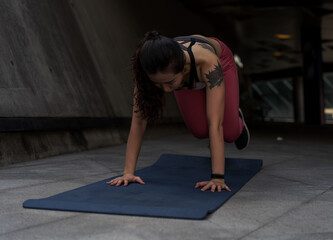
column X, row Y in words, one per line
column 290, row 198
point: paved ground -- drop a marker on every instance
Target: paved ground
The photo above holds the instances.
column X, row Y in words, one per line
column 291, row 198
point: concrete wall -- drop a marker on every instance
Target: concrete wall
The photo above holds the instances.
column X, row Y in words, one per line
column 45, row 68
column 70, row 58
column 113, row 28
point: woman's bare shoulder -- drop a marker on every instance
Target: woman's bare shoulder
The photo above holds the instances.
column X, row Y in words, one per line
column 216, row 44
column 199, row 35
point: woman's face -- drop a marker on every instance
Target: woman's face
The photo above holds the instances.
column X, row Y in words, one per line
column 167, row 81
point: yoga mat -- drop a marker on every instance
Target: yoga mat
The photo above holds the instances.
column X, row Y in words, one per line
column 169, row 190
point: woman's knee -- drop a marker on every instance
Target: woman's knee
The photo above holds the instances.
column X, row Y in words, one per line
column 200, row 132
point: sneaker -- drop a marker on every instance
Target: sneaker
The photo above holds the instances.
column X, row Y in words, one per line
column 244, row 138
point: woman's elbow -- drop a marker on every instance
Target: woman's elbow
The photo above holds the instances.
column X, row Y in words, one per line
column 216, row 125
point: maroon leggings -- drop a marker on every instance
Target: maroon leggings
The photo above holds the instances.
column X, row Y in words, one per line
column 192, row 103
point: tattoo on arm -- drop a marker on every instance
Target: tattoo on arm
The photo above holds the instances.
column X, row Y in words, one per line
column 205, row 46
column 215, row 77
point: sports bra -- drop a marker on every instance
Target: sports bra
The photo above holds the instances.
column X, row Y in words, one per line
column 193, row 40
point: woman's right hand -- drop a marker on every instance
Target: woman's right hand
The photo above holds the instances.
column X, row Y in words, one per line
column 125, row 179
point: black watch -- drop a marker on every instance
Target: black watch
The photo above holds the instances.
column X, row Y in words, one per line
column 220, row 176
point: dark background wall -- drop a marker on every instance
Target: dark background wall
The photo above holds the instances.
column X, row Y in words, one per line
column 112, row 29
column 69, row 59
column 46, row 69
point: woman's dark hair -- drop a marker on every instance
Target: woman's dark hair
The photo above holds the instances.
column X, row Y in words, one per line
column 155, row 53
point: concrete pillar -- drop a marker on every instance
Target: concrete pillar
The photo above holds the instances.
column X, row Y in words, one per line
column 298, row 95
column 312, row 69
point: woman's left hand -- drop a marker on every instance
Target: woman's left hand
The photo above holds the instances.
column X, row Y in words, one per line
column 213, row 184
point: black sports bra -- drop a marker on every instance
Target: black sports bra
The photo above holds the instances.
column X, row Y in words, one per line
column 193, row 40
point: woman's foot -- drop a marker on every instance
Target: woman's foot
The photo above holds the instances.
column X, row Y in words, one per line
column 244, row 138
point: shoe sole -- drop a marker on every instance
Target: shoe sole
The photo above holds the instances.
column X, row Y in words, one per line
column 247, row 130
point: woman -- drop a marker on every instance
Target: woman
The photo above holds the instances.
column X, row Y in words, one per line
column 203, row 76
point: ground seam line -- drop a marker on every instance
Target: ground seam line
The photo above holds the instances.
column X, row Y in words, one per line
column 38, row 225
column 66, row 179
column 286, row 212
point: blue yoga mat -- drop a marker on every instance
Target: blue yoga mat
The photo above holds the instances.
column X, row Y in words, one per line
column 169, row 191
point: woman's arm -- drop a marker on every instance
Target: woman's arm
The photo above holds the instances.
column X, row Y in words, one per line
column 134, row 142
column 215, row 96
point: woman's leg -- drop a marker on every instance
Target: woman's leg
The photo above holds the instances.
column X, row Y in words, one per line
column 192, row 103
column 232, row 123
